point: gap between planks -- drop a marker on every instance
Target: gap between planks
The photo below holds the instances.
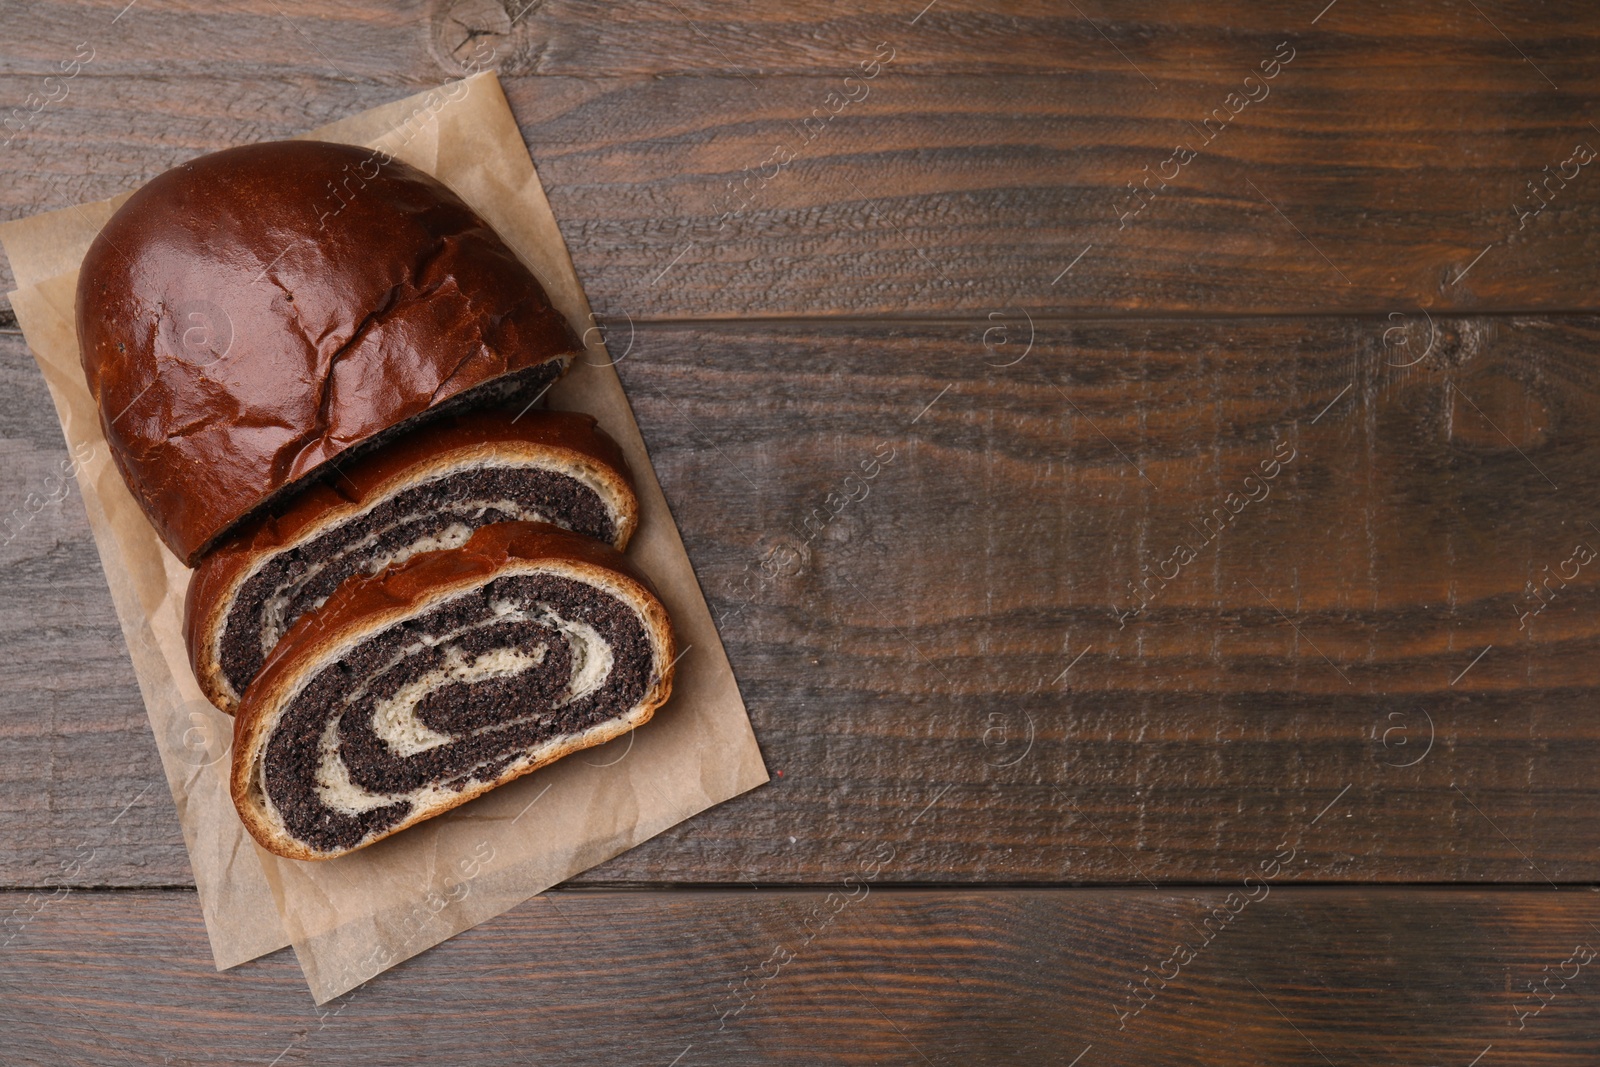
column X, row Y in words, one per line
column 9, row 327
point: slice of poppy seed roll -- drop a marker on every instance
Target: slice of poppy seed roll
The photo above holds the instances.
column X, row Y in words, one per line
column 413, row 691
column 426, row 491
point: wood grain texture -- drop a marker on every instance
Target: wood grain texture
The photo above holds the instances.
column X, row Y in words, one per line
column 968, row 174
column 76, row 743
column 943, row 408
column 921, row 560
column 1299, row 976
column 409, row 42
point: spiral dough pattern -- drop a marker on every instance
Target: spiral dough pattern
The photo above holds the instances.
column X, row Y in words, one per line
column 482, row 683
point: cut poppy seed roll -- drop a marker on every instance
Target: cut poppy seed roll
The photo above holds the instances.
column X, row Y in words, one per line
column 426, row 491
column 413, row 691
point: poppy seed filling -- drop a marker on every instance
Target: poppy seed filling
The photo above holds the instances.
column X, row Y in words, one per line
column 448, row 699
column 438, row 514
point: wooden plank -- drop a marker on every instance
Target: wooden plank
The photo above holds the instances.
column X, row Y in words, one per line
column 1377, row 167
column 1295, row 976
column 950, row 603
column 410, row 42
column 77, row 744
column 921, row 558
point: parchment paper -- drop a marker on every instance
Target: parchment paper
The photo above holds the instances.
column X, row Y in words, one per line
column 354, row 917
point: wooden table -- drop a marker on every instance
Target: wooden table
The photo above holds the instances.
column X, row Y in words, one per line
column 1207, row 672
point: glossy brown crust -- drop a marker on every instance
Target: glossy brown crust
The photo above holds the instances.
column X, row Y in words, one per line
column 558, row 435
column 253, row 313
column 364, row 606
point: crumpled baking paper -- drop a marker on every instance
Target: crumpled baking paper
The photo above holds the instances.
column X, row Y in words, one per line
column 354, row 917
